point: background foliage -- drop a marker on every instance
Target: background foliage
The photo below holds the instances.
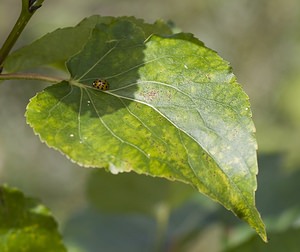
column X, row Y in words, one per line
column 259, row 38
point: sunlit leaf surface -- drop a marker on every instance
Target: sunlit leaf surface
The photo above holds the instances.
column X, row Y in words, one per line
column 173, row 109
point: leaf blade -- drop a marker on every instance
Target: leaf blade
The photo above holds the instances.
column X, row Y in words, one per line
column 174, row 110
column 26, row 224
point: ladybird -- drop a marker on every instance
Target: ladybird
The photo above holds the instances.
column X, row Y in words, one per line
column 101, row 84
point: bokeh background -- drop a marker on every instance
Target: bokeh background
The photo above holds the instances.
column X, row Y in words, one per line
column 261, row 40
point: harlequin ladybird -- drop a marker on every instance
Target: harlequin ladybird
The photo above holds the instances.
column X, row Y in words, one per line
column 101, row 84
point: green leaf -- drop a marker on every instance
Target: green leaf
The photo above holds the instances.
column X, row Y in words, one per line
column 173, row 110
column 25, row 224
column 56, row 47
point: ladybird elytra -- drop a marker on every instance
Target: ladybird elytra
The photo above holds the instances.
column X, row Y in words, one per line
column 101, row 84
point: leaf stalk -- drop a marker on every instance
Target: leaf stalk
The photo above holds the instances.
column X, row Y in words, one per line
column 28, row 9
column 30, row 76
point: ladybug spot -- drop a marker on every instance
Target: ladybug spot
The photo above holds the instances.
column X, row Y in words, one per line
column 101, row 84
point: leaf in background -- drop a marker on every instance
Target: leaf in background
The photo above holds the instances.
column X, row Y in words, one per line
column 126, row 193
column 173, row 110
column 26, row 225
column 90, row 231
column 287, row 240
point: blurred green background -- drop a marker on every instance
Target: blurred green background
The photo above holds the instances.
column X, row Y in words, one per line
column 261, row 40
